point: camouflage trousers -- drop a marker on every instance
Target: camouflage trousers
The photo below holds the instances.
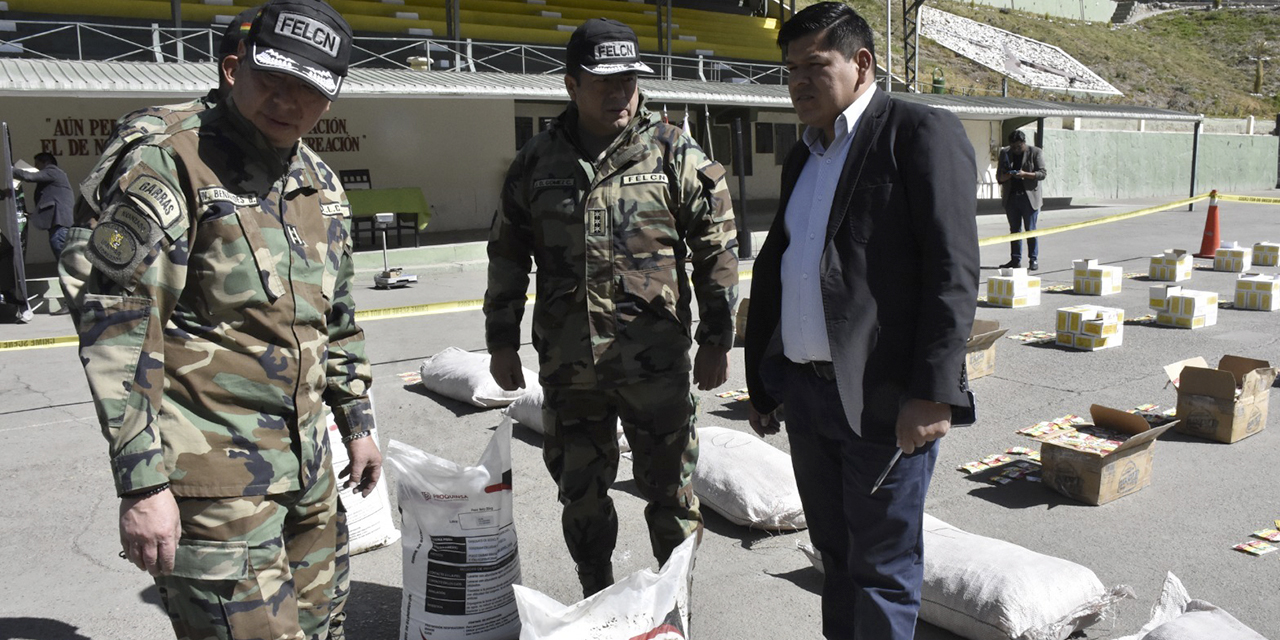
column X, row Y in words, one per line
column 580, row 449
column 255, row 567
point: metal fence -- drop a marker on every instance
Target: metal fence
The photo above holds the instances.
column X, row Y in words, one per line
column 157, row 43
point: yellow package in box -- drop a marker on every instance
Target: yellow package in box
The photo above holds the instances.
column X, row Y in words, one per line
column 1233, row 257
column 1092, row 279
column 1258, row 292
column 1013, row 288
column 1266, row 254
column 1090, row 327
column 1174, row 265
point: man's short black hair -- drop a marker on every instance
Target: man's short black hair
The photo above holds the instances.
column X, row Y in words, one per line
column 46, row 157
column 845, row 30
column 1017, row 136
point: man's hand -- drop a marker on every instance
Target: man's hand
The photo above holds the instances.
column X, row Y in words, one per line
column 921, row 422
column 149, row 531
column 711, row 366
column 505, row 367
column 365, row 468
column 764, row 424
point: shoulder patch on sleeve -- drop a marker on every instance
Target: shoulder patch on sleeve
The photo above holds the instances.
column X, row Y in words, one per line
column 114, row 244
column 158, row 198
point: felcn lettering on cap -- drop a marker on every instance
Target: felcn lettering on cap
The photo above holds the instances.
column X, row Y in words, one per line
column 613, row 50
column 312, row 32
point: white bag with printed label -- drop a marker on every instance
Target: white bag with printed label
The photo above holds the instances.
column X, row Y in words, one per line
column 460, row 553
column 369, row 523
column 647, row 605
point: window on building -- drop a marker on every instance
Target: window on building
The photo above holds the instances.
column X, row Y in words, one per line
column 524, row 131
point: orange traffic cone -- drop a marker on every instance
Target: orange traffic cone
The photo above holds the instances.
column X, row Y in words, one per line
column 1209, row 245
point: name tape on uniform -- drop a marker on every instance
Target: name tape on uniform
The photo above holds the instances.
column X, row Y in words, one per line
column 157, row 197
column 335, row 209
column 210, row 195
column 547, row 183
column 644, row 178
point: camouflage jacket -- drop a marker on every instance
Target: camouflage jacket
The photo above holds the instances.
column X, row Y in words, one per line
column 213, row 303
column 611, row 240
column 129, row 129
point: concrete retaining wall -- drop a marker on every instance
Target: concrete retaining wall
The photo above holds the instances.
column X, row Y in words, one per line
column 1127, row 164
column 1090, row 10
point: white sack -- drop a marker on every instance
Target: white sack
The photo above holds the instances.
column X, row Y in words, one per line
column 653, row 606
column 465, row 376
column 747, row 480
column 527, row 410
column 987, row 589
column 1175, row 616
column 460, row 551
column 369, row 523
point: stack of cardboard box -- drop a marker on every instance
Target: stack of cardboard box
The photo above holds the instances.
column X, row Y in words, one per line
column 1013, row 288
column 1226, row 404
column 1090, row 327
column 1094, row 280
column 1178, row 307
column 1233, row 257
column 1257, row 291
column 1174, row 265
column 1266, row 254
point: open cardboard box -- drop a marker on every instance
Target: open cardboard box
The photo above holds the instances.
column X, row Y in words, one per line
column 1226, row 404
column 980, row 349
column 1095, row 477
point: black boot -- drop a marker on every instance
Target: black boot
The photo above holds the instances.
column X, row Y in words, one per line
column 595, row 578
column 1012, row 264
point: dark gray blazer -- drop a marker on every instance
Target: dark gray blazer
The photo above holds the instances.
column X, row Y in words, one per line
column 899, row 270
column 1033, row 161
column 54, row 198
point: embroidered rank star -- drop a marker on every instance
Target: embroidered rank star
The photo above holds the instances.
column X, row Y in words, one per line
column 596, row 221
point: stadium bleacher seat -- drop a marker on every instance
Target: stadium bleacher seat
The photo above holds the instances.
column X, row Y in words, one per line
column 542, row 22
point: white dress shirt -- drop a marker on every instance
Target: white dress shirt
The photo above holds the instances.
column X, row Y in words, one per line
column 804, row 325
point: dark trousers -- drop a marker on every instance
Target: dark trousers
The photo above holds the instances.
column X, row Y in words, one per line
column 57, row 239
column 872, row 545
column 1022, row 218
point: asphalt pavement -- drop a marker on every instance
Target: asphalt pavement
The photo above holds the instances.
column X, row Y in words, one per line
column 64, row 580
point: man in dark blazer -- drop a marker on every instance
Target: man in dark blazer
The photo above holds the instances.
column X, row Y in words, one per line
column 1019, row 172
column 54, row 199
column 864, row 295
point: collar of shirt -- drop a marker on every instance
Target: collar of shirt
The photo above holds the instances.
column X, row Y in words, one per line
column 846, row 125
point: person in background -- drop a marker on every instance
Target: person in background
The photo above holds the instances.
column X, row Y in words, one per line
column 1020, row 170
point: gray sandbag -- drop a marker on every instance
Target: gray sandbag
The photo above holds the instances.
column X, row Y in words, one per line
column 1176, row 616
column 463, row 375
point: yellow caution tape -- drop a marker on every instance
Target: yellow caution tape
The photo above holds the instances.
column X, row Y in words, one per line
column 1090, row 223
column 1255, row 199
column 38, row 343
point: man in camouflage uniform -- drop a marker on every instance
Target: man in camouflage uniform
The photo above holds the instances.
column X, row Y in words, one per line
column 213, row 301
column 611, row 203
column 136, row 125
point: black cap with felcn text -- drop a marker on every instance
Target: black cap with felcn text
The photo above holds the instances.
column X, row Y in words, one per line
column 604, row 47
column 307, row 39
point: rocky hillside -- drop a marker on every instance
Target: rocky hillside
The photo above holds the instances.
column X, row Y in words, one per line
column 1191, row 60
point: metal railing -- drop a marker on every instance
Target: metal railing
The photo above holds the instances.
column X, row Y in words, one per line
column 157, row 43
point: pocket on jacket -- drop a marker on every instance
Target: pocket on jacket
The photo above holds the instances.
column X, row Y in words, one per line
column 865, row 203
